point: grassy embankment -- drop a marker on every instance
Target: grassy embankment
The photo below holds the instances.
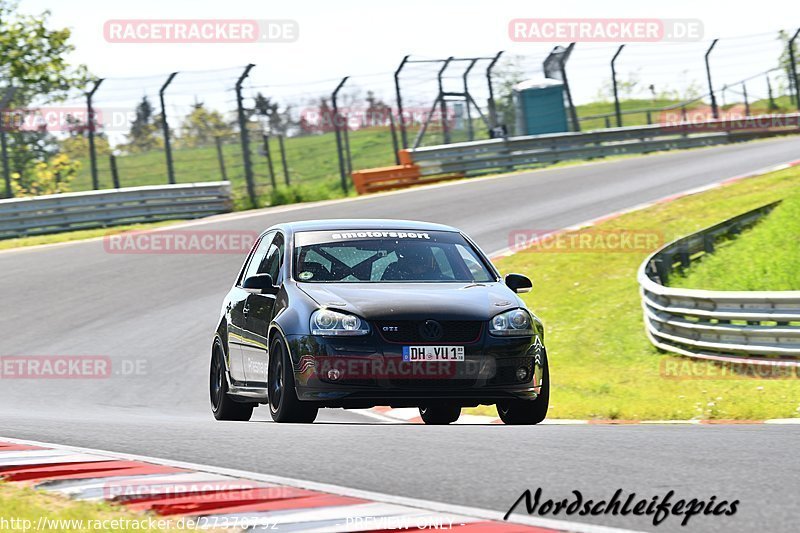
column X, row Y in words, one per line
column 602, row 364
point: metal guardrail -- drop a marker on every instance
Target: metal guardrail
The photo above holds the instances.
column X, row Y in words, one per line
column 96, row 209
column 731, row 326
column 506, row 154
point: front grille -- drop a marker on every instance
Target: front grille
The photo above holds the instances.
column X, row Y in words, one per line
column 453, row 331
column 432, row 383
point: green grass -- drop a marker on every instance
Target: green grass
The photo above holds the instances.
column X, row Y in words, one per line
column 78, row 235
column 20, row 504
column 762, row 258
column 602, row 365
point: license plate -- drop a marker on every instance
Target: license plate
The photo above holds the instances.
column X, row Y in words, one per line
column 433, row 353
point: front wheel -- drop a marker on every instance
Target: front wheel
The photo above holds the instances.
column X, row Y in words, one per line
column 284, row 406
column 223, row 407
column 439, row 414
column 528, row 412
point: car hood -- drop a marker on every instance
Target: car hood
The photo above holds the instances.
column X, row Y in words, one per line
column 406, row 301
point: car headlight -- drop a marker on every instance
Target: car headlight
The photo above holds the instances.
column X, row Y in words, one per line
column 516, row 322
column 328, row 322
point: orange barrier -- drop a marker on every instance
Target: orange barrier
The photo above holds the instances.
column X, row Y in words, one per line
column 400, row 176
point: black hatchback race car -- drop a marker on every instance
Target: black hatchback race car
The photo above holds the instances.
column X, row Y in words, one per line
column 360, row 313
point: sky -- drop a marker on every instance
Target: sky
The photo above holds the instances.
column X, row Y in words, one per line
column 367, row 39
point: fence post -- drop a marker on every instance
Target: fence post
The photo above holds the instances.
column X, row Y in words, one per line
column 492, row 105
column 283, row 160
column 268, row 155
column 346, row 139
column 772, row 105
column 563, row 65
column 112, row 160
column 617, row 110
column 91, row 125
column 793, row 65
column 165, row 128
column 395, row 145
column 443, row 102
column 221, row 158
column 342, row 173
column 403, row 134
column 746, row 102
column 714, row 108
column 470, row 132
column 245, row 136
column 4, row 155
column 4, row 123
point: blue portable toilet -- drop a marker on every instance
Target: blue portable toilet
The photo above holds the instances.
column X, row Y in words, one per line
column 540, row 107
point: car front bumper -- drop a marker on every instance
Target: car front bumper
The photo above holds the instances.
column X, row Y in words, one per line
column 368, row 371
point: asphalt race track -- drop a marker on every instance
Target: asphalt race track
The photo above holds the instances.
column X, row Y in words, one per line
column 160, row 310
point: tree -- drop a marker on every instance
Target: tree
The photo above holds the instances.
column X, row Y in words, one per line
column 42, row 177
column 76, row 145
column 33, row 60
column 201, row 126
column 275, row 120
column 377, row 111
column 505, row 77
column 145, row 132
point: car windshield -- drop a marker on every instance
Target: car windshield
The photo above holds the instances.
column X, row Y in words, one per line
column 387, row 256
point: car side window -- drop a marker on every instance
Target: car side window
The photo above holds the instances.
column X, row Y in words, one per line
column 274, row 259
column 254, row 267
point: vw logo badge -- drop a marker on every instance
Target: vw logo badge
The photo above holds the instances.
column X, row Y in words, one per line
column 431, row 330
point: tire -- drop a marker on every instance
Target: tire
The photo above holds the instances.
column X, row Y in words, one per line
column 284, row 406
column 527, row 412
column 440, row 414
column 222, row 405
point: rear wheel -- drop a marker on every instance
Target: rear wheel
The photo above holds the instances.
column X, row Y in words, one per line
column 528, row 412
column 440, row 414
column 222, row 405
column 284, row 406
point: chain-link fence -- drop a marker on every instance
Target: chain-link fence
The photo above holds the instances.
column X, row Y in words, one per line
column 285, row 142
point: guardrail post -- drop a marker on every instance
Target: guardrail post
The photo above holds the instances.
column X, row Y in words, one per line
column 268, row 155
column 403, row 133
column 342, row 171
column 492, row 105
column 221, row 158
column 91, row 125
column 714, row 108
column 283, row 160
column 793, row 64
column 165, row 128
column 112, row 161
column 245, row 136
column 443, row 102
column 617, row 110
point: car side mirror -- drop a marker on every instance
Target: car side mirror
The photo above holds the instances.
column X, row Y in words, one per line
column 260, row 284
column 519, row 283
